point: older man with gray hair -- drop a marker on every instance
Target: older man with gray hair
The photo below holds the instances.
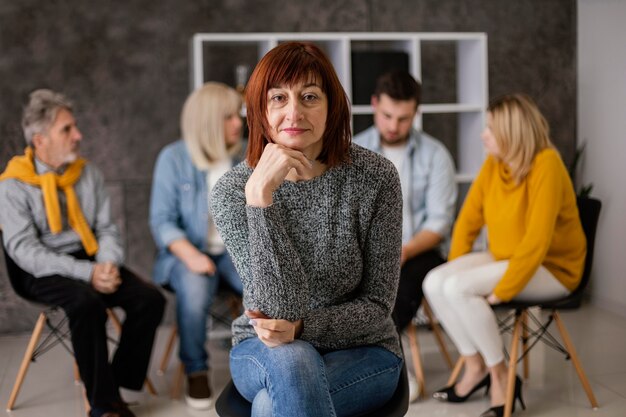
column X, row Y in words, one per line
column 56, row 222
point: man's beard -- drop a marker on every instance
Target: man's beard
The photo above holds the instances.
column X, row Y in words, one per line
column 71, row 157
column 400, row 140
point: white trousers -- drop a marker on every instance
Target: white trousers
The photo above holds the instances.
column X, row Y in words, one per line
column 457, row 293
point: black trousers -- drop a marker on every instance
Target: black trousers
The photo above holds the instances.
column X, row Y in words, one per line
column 410, row 292
column 86, row 311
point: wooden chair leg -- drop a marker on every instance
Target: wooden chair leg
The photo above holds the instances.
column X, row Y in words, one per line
column 235, row 306
column 28, row 355
column 168, row 350
column 437, row 331
column 510, row 386
column 417, row 358
column 456, row 371
column 87, row 405
column 149, row 387
column 575, row 361
column 76, row 374
column 178, row 381
column 525, row 360
column 180, row 370
column 118, row 328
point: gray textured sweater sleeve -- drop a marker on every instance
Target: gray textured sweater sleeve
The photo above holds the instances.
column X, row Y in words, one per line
column 261, row 250
column 228, row 207
column 276, row 272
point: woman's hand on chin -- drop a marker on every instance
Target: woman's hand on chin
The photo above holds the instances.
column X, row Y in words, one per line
column 274, row 167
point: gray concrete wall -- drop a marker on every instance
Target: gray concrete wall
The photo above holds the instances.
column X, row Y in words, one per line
column 125, row 64
column 602, row 127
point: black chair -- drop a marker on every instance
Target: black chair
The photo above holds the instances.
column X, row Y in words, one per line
column 531, row 333
column 48, row 317
column 230, row 403
column 55, row 320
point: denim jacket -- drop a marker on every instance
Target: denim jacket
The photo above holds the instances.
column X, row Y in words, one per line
column 178, row 206
column 428, row 176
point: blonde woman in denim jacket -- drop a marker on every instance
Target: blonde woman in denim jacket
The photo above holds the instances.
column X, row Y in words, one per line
column 192, row 259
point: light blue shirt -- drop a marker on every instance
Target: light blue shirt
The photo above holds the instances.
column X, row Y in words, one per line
column 428, row 178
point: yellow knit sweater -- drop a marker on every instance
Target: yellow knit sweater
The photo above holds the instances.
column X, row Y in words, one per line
column 530, row 224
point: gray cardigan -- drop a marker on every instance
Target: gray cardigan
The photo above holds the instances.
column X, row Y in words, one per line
column 327, row 251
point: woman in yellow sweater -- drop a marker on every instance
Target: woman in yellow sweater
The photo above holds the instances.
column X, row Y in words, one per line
column 525, row 198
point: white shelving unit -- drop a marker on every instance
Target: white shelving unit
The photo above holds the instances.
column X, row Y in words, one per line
column 471, row 89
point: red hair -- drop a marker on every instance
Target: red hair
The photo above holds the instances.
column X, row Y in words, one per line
column 288, row 64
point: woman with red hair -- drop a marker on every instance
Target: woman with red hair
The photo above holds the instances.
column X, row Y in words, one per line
column 313, row 224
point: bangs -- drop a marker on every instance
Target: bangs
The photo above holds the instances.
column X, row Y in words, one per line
column 298, row 67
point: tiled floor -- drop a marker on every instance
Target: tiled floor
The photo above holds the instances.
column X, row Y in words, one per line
column 552, row 390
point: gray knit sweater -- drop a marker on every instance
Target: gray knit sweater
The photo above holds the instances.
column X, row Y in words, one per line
column 327, row 251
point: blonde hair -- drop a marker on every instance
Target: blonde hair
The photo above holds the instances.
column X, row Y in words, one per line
column 520, row 130
column 202, row 123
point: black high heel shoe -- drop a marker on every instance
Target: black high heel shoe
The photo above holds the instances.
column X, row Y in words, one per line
column 498, row 411
column 448, row 394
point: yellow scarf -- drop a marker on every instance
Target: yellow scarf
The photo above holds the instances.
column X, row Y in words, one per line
column 22, row 168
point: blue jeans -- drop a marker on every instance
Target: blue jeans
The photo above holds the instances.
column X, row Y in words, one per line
column 194, row 296
column 296, row 380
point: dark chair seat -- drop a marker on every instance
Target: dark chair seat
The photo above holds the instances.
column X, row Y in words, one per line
column 55, row 320
column 230, row 403
column 570, row 302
